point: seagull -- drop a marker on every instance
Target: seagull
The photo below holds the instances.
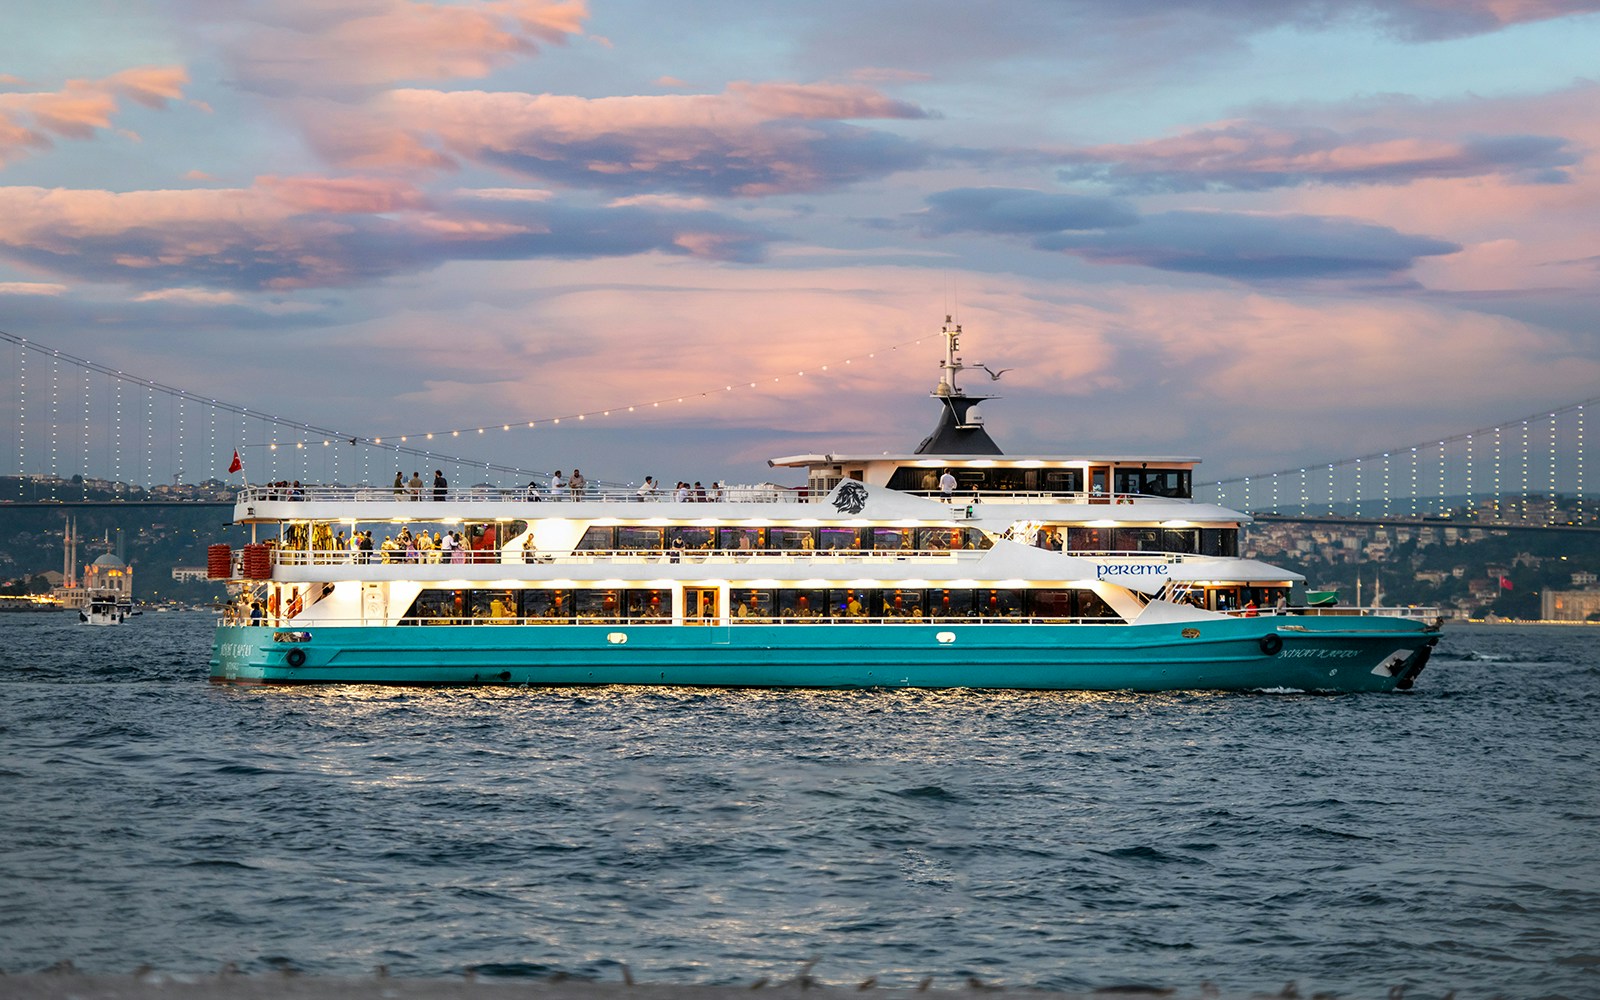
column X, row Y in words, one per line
column 995, row 375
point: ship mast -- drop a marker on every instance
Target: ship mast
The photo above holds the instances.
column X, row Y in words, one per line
column 960, row 429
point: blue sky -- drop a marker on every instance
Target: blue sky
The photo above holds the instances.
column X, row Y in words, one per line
column 1259, row 234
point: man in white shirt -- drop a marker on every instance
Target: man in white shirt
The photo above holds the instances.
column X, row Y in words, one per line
column 947, row 484
column 648, row 490
column 557, row 485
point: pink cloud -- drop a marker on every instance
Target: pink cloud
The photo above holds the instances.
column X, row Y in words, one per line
column 28, row 121
column 1253, row 155
column 305, row 45
column 295, row 232
column 751, row 139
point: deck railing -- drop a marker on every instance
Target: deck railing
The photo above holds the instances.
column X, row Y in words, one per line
column 622, row 493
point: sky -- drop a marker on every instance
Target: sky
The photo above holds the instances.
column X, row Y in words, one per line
column 1262, row 234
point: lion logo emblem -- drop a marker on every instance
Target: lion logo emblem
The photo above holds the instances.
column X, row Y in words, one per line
column 850, row 498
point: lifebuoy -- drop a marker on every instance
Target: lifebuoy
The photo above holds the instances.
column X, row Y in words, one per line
column 297, row 657
column 1270, row 644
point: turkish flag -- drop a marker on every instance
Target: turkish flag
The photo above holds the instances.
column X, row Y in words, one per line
column 235, row 465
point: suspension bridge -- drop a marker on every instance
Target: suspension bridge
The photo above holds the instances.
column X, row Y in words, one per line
column 153, row 443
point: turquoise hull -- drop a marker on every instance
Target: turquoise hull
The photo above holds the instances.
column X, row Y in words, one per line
column 1309, row 654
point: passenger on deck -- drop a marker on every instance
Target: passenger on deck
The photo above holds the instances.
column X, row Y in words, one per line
column 558, row 485
column 440, row 485
column 416, row 485
column 578, row 484
column 648, row 491
column 399, row 485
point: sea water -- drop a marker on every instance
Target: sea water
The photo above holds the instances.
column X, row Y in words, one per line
column 1446, row 838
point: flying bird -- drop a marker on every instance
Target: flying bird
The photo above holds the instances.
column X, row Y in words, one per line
column 995, row 375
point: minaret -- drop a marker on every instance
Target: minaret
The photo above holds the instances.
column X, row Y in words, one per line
column 70, row 540
column 960, row 430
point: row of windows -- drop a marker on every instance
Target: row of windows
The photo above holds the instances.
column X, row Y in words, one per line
column 1147, row 482
column 647, row 606
column 511, row 604
column 1193, row 541
column 658, row 539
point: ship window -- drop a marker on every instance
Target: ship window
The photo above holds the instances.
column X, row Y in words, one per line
column 946, row 539
column 1136, row 539
column 435, row 607
column 900, row 603
column 635, row 539
column 1052, row 604
column 494, row 605
column 1061, row 480
column 602, row 607
column 1180, row 540
column 597, row 539
column 840, row 538
column 891, row 538
column 650, row 606
column 914, row 480
column 1219, row 541
column 751, row 605
column 791, row 538
column 1088, row 540
column 1091, row 606
column 1000, row 603
column 691, row 538
column 802, row 603
column 850, row 603
column 946, row 603
column 547, row 606
column 739, row 538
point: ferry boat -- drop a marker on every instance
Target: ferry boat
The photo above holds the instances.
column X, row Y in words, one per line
column 953, row 565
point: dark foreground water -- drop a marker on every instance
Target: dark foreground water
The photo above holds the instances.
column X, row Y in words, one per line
column 1446, row 838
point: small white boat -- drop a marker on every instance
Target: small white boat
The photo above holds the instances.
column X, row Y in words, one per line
column 105, row 608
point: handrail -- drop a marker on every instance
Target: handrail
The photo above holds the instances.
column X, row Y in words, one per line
column 622, row 493
column 300, row 625
column 517, row 556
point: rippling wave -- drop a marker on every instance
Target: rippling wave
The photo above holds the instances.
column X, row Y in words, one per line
column 1443, row 838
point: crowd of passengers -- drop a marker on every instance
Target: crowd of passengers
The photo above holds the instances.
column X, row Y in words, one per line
column 481, row 543
column 754, row 606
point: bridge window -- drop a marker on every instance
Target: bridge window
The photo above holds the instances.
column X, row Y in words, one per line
column 1154, row 482
column 1219, row 541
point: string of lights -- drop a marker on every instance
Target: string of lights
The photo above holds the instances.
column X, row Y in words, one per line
column 1466, row 436
column 301, row 434
column 531, row 423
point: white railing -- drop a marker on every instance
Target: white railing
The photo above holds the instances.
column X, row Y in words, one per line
column 515, row 556
column 618, row 492
column 594, row 492
column 303, row 627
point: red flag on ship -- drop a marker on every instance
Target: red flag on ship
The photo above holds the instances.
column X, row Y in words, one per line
column 235, row 465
